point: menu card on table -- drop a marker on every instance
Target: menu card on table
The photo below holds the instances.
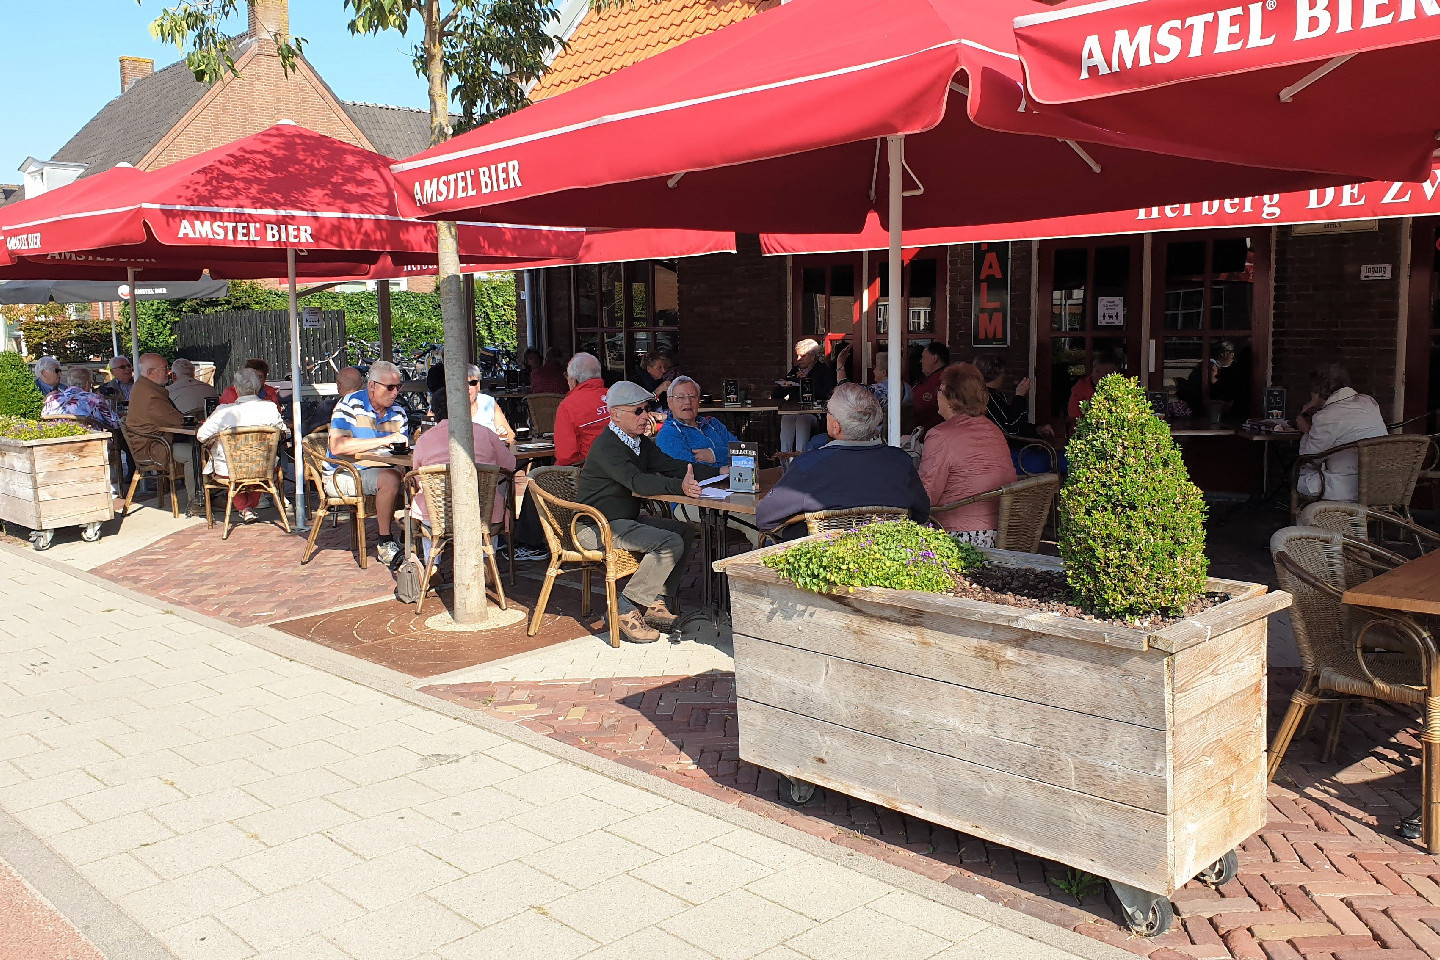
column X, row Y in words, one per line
column 744, row 457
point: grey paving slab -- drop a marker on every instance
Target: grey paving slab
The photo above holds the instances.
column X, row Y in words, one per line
column 227, row 796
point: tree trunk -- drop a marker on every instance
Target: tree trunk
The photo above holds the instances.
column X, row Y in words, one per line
column 470, row 606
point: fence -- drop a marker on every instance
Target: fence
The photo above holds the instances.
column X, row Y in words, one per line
column 230, row 338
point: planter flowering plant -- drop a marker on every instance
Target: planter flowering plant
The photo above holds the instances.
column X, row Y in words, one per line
column 18, row 428
column 898, row 554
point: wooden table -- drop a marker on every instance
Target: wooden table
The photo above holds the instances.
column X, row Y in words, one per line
column 1413, row 587
column 534, row 453
column 714, row 520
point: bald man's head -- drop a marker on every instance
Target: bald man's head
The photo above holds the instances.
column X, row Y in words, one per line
column 349, row 380
column 154, row 368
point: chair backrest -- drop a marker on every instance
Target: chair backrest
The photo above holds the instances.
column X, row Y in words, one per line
column 150, row 451
column 488, row 477
column 824, row 521
column 542, row 408
column 1337, row 516
column 250, row 452
column 433, row 483
column 1389, row 468
column 1024, row 509
column 552, row 489
column 1310, row 566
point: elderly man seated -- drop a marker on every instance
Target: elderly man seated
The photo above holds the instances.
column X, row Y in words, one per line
column 857, row 469
column 151, row 412
column 1336, row 415
column 319, row 412
column 624, row 467
column 187, row 393
column 369, row 421
column 582, row 415
column 47, row 375
column 688, row 436
column 248, row 410
column 122, row 379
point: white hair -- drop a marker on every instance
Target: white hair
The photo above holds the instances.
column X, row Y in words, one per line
column 806, row 347
column 47, row 364
column 248, row 382
column 381, row 368
column 857, row 412
column 582, row 367
column 472, row 371
column 78, row 377
column 682, row 379
column 183, row 367
column 111, row 364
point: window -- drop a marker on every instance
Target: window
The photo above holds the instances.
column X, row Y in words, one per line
column 1093, row 288
column 624, row 310
column 1203, row 343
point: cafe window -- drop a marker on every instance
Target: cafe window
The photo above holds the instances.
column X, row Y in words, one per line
column 1203, row 342
column 624, row 310
column 1093, row 289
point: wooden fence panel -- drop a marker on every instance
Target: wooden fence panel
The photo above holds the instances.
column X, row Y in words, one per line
column 230, row 338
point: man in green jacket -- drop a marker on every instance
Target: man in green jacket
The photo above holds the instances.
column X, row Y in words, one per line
column 625, row 466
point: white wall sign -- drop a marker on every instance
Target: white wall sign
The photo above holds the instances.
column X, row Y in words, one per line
column 1375, row 271
column 1111, row 312
column 310, row 318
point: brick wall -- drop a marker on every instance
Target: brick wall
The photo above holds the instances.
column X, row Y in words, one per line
column 733, row 318
column 1324, row 312
column 962, row 270
column 258, row 98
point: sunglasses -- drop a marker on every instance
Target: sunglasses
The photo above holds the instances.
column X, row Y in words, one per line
column 473, row 383
column 386, row 386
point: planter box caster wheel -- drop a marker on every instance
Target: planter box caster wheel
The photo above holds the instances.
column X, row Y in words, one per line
column 1220, row 872
column 794, row 792
column 1146, row 914
column 41, row 539
column 90, row 532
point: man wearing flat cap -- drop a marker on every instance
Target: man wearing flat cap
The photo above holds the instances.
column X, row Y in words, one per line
column 625, row 466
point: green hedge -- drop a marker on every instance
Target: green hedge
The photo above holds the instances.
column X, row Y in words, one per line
column 19, row 397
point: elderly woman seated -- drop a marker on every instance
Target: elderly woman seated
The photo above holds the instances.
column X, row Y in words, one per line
column 965, row 455
column 796, row 428
column 75, row 397
column 1336, row 415
column 248, row 410
column 857, row 469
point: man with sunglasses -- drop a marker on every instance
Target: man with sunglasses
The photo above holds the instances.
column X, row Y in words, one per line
column 624, row 467
column 369, row 421
column 122, row 378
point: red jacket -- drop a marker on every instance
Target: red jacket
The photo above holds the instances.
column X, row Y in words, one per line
column 581, row 417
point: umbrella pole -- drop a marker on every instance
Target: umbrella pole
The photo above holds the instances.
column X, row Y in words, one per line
column 114, row 334
column 134, row 321
column 298, row 459
column 895, row 302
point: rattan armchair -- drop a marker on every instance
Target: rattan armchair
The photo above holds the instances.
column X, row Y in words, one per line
column 827, row 521
column 252, row 462
column 542, row 407
column 1024, row 508
column 1388, row 469
column 1362, row 523
column 554, row 491
column 433, row 483
column 152, row 455
column 315, row 450
column 1347, row 651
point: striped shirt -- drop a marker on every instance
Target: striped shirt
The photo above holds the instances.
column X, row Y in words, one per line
column 356, row 417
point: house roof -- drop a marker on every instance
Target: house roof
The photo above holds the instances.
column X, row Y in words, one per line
column 396, row 132
column 627, row 33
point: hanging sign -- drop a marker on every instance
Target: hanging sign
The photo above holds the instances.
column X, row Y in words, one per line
column 310, row 318
column 990, row 303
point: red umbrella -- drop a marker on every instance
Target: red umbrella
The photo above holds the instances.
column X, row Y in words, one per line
column 775, row 124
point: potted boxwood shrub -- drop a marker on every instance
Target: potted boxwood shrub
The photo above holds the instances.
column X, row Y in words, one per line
column 1105, row 710
column 53, row 474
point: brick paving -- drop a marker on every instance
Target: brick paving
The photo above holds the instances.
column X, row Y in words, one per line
column 32, row 929
column 1325, row 880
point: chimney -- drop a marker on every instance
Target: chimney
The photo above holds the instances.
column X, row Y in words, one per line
column 268, row 17
column 132, row 69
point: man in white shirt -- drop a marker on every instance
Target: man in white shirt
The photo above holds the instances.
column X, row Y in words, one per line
column 1336, row 415
column 248, row 410
column 187, row 393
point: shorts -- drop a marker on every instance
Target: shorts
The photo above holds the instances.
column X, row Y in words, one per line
column 340, row 483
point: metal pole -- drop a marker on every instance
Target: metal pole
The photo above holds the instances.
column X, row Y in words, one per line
column 385, row 317
column 295, row 394
column 895, row 303
column 114, row 333
column 134, row 321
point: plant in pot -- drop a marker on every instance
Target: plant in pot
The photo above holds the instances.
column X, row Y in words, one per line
column 1113, row 722
column 53, row 474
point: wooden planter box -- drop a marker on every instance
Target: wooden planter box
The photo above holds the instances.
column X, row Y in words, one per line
column 48, row 484
column 1136, row 756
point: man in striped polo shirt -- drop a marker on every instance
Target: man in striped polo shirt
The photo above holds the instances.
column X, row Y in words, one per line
column 369, row 421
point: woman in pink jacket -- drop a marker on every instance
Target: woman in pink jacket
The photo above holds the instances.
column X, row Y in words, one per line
column 965, row 455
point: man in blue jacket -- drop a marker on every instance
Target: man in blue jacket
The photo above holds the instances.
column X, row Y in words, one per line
column 688, row 436
column 857, row 469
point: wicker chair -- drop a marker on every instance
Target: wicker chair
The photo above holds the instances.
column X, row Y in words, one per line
column 433, row 483
column 252, row 463
column 554, row 491
column 1345, row 650
column 827, row 521
column 1024, row 508
column 153, row 456
column 1389, row 468
column 315, row 450
column 1020, row 446
column 1361, row 523
column 542, row 407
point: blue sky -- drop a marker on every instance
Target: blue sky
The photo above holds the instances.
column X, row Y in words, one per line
column 59, row 62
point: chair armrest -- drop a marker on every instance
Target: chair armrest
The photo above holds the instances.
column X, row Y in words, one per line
column 1408, row 630
column 976, row 498
column 590, row 513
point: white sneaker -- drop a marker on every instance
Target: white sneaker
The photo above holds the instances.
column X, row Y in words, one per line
column 530, row 554
column 387, row 552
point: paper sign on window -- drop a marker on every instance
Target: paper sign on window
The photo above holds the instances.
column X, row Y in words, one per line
column 1111, row 311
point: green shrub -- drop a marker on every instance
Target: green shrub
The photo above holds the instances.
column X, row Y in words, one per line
column 1132, row 525
column 19, row 428
column 899, row 554
column 19, row 397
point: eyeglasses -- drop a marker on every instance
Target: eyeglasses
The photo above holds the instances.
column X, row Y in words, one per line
column 473, row 383
column 386, row 386
column 683, row 397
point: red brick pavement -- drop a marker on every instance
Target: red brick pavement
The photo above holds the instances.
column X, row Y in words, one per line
column 1325, row 880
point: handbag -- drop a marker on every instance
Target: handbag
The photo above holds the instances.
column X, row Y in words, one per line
column 407, row 579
